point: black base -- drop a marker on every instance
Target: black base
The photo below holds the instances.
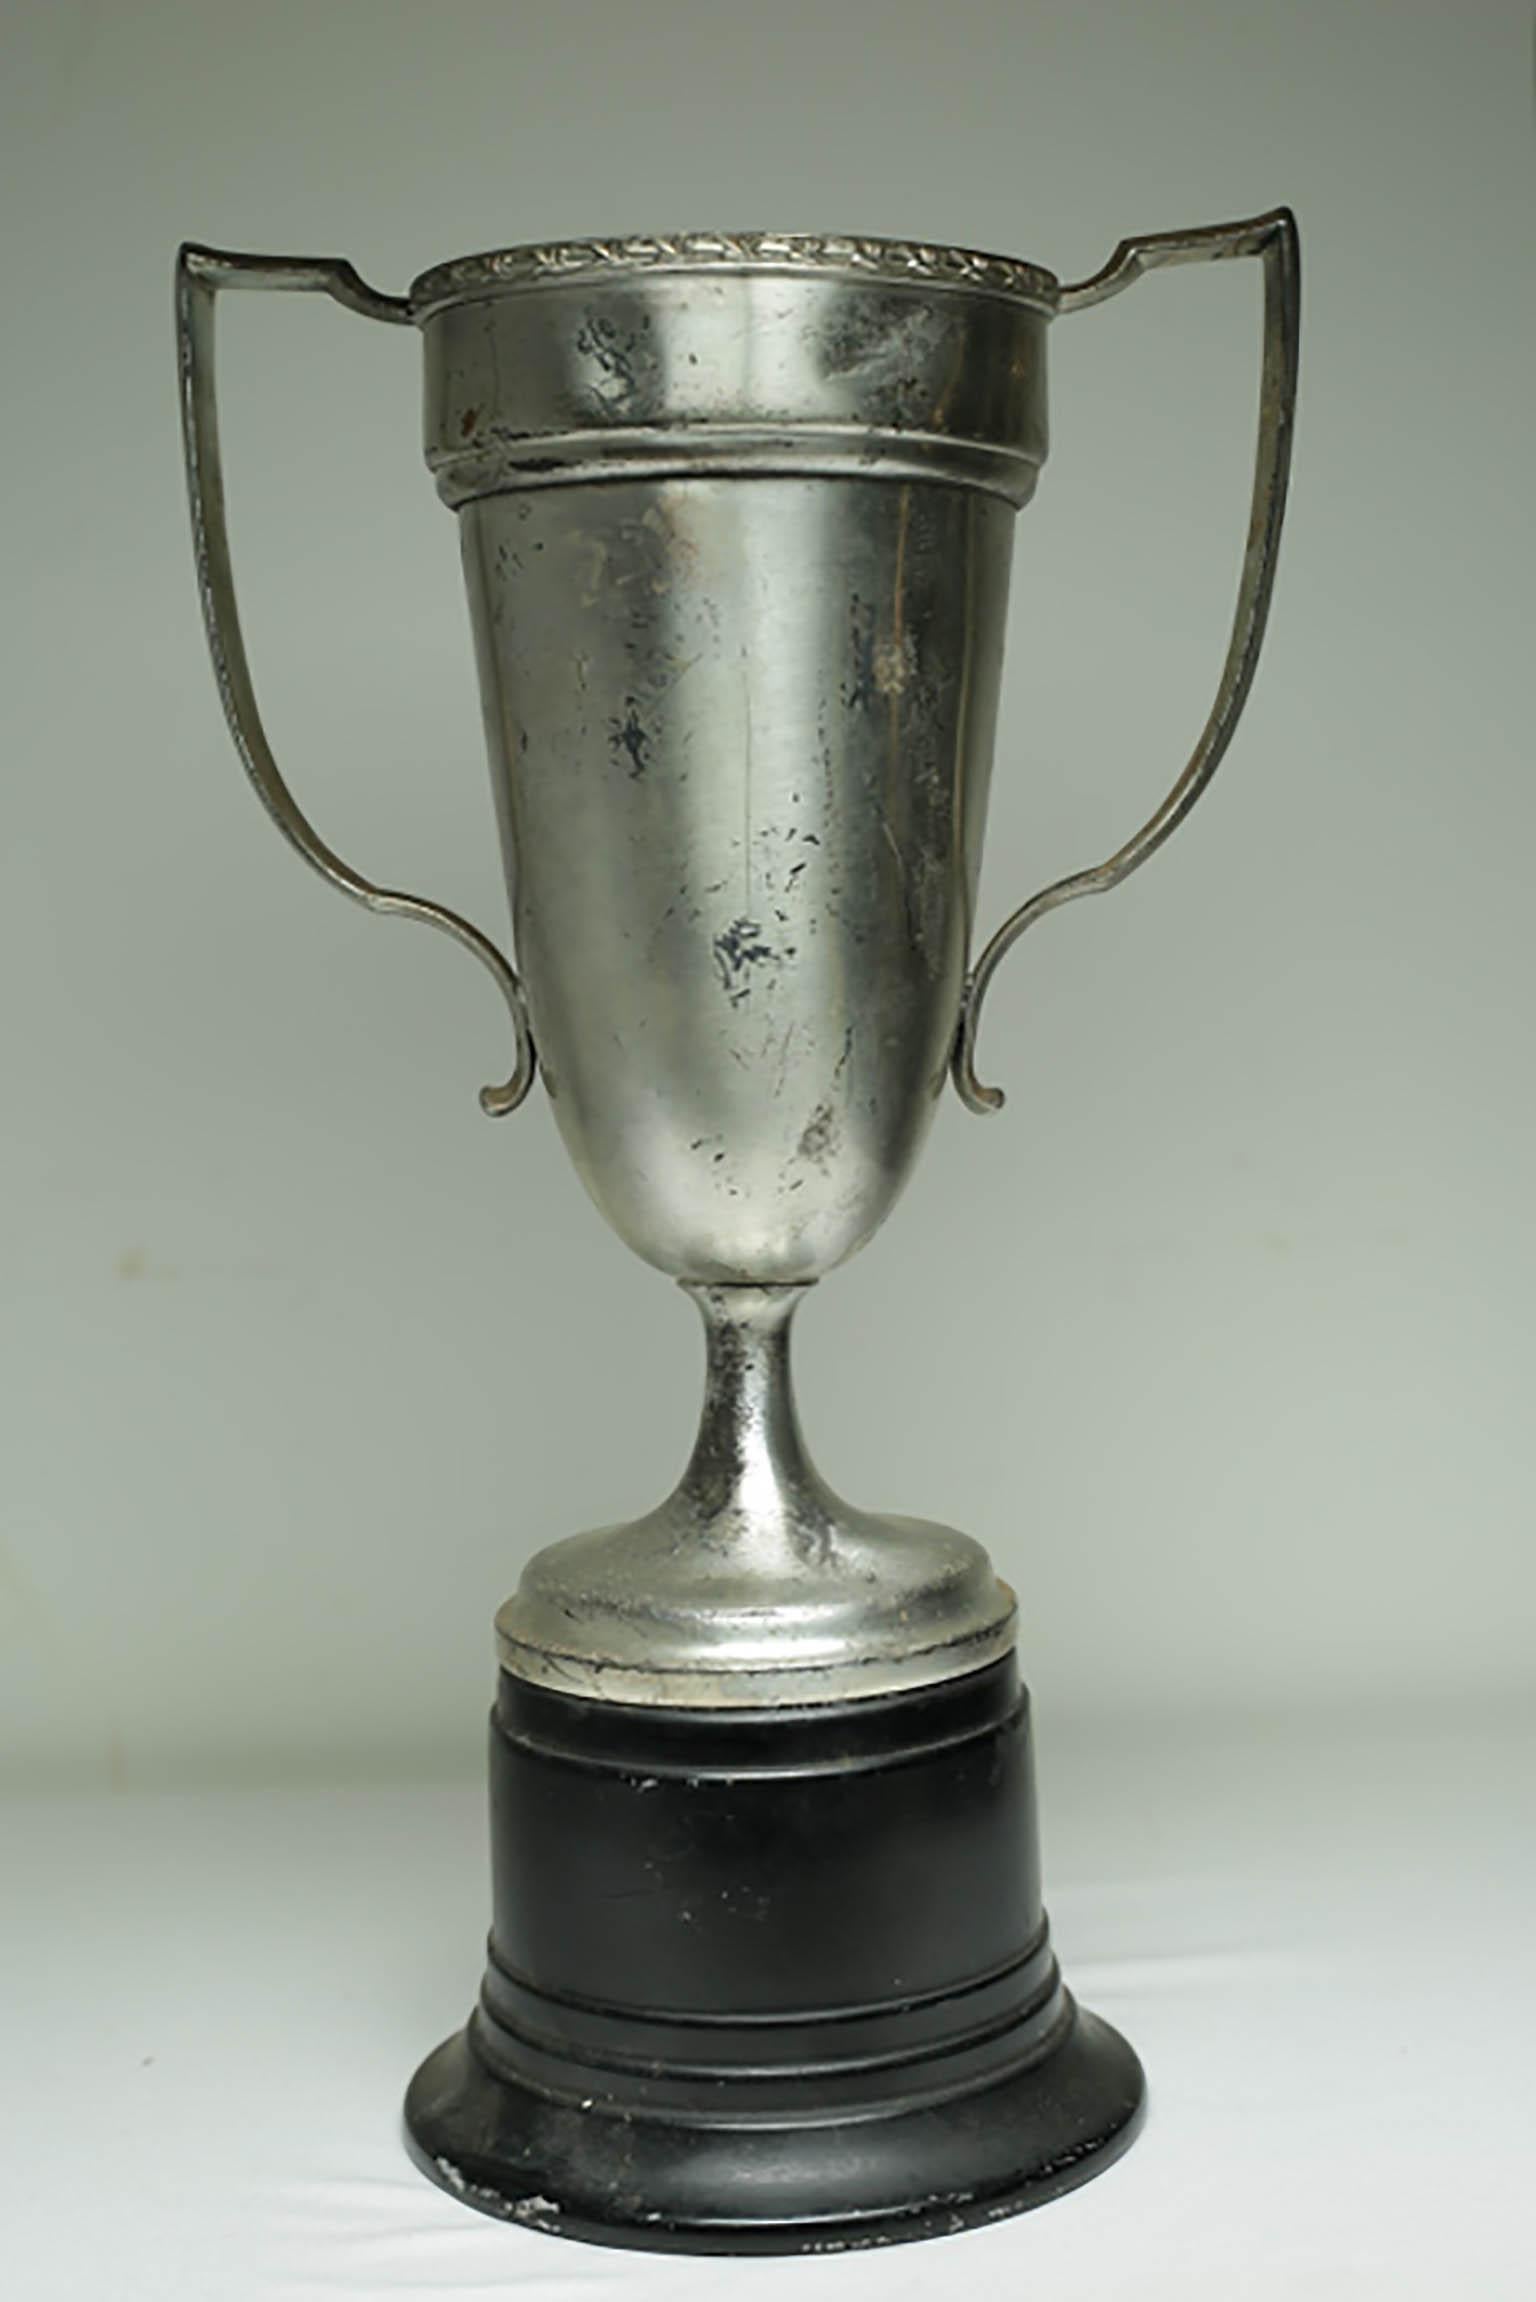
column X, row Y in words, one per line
column 769, row 1982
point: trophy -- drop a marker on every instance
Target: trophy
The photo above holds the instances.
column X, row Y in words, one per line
column 769, row 1970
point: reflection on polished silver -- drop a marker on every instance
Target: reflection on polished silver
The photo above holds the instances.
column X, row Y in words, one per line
column 736, row 514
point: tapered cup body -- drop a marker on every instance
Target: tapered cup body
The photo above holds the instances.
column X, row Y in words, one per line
column 737, row 549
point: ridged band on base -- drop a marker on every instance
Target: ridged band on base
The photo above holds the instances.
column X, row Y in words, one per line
column 769, row 1982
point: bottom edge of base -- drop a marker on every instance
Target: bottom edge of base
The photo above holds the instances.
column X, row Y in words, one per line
column 602, row 2179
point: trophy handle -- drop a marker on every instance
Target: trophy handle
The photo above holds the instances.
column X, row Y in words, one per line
column 200, row 273
column 1273, row 238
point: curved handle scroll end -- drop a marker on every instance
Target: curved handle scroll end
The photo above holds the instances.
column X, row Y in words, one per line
column 976, row 1097
column 500, row 1102
column 973, row 1094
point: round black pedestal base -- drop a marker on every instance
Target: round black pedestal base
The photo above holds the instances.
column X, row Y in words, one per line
column 769, row 1982
column 809, row 2189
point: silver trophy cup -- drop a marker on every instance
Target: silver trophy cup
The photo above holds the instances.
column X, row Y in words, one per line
column 736, row 513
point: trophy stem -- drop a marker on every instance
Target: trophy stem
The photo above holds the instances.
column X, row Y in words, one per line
column 750, row 1478
column 754, row 1582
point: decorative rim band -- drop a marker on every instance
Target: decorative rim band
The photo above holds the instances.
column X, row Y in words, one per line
column 897, row 260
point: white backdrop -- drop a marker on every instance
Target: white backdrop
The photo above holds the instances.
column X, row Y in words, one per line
column 1221, row 1334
